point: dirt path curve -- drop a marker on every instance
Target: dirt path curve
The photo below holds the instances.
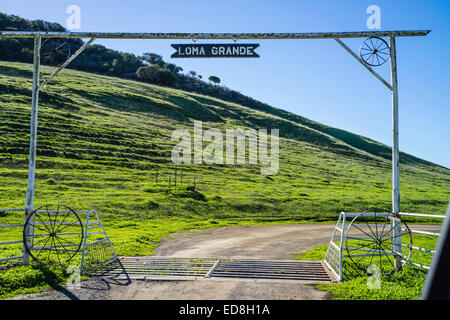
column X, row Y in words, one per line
column 272, row 242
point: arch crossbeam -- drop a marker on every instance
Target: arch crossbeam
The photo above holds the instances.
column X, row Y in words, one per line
column 125, row 35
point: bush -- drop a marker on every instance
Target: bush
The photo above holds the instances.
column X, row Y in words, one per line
column 148, row 205
column 157, row 75
column 51, row 181
column 189, row 194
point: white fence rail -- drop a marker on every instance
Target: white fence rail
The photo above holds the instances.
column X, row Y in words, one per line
column 415, row 231
column 2, row 243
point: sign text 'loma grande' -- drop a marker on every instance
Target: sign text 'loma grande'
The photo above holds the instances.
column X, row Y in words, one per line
column 210, row 50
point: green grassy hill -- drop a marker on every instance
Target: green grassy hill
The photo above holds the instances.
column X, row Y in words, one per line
column 101, row 141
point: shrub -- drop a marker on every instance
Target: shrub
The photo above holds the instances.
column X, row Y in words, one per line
column 157, row 75
column 148, row 205
column 51, row 181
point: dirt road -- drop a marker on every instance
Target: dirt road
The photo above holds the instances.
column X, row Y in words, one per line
column 257, row 242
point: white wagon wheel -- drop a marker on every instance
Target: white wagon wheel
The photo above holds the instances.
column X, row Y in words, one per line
column 371, row 241
column 53, row 234
column 374, row 51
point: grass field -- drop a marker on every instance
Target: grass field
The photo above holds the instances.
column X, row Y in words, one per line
column 105, row 143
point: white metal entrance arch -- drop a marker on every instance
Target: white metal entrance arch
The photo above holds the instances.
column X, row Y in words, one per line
column 37, row 36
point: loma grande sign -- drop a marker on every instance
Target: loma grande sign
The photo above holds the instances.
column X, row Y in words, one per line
column 210, row 50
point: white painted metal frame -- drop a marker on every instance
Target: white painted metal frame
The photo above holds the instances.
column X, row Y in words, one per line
column 395, row 143
column 231, row 36
column 416, row 231
column 334, row 262
column 88, row 225
column 11, row 241
column 333, row 256
column 318, row 35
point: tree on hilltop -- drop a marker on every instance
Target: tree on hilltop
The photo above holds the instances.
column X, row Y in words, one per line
column 214, row 79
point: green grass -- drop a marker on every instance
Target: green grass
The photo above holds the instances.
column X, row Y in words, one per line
column 22, row 280
column 103, row 142
column 406, row 284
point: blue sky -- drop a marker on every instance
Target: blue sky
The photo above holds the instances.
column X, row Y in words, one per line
column 313, row 78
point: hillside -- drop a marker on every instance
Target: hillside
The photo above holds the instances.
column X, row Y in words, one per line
column 105, row 143
column 104, row 61
column 100, row 140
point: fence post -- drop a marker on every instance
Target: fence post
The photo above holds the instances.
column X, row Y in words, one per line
column 341, row 245
column 175, row 169
column 83, row 254
column 29, row 201
column 395, row 156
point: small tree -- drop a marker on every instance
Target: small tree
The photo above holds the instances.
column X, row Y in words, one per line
column 173, row 68
column 157, row 75
column 153, row 58
column 214, row 79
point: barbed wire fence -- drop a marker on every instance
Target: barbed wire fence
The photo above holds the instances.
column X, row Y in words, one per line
column 176, row 178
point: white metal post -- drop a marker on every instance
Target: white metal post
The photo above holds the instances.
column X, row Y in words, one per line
column 397, row 240
column 341, row 245
column 86, row 226
column 104, row 231
column 395, row 147
column 33, row 138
